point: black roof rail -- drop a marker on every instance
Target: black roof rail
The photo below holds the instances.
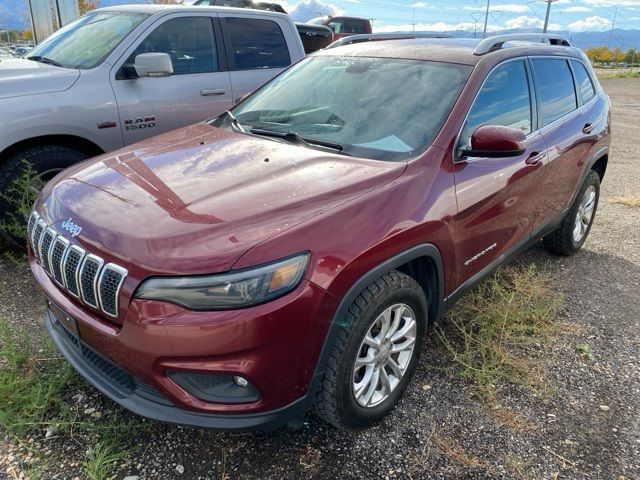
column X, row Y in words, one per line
column 496, row 42
column 368, row 37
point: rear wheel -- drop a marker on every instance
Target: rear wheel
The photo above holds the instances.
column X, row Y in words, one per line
column 569, row 237
column 375, row 354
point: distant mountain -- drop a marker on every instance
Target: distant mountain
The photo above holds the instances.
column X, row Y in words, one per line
column 623, row 39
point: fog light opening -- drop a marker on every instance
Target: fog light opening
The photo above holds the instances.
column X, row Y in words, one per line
column 240, row 381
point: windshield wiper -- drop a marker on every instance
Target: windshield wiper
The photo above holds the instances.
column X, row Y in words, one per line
column 234, row 121
column 293, row 137
column 41, row 59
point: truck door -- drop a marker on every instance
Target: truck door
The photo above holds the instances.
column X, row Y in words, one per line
column 199, row 88
column 258, row 48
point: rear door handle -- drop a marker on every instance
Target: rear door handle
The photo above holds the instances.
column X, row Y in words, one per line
column 588, row 128
column 534, row 159
column 207, row 92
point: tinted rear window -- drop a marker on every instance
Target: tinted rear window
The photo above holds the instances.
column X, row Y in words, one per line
column 556, row 91
column 587, row 92
column 257, row 44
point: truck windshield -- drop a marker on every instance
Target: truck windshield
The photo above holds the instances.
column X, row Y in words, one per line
column 379, row 108
column 86, row 42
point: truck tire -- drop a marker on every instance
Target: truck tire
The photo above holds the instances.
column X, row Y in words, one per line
column 47, row 160
column 375, row 353
column 569, row 237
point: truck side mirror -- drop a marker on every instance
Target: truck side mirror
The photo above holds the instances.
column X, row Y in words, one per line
column 153, row 65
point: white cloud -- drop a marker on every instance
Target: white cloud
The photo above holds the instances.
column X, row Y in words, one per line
column 307, row 9
column 612, row 3
column 421, row 5
column 590, row 23
column 507, row 7
column 576, row 9
column 436, row 27
column 530, row 22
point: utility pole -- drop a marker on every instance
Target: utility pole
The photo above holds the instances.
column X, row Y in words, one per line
column 613, row 24
column 486, row 19
column 476, row 18
column 546, row 17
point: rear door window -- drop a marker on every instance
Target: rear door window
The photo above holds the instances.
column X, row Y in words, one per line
column 504, row 100
column 585, row 86
column 555, row 88
column 257, row 43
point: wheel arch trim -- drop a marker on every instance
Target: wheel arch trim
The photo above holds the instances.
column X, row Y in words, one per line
column 427, row 250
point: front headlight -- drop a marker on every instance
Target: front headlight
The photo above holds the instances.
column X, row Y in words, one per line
column 242, row 288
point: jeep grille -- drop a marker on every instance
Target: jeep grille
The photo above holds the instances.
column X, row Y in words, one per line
column 81, row 274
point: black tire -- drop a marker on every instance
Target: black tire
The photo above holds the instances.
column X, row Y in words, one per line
column 46, row 160
column 561, row 240
column 335, row 401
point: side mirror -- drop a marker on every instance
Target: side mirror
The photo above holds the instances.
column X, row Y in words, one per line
column 153, row 65
column 495, row 141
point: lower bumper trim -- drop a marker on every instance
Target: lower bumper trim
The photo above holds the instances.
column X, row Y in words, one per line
column 144, row 400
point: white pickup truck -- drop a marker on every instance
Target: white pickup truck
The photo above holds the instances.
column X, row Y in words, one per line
column 121, row 74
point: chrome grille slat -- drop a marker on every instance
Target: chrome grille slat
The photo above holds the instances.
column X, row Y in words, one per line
column 109, row 286
column 83, row 275
column 47, row 242
column 88, row 279
column 37, row 238
column 56, row 256
column 33, row 220
column 71, row 264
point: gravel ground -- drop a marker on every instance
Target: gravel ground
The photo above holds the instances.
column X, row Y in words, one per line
column 590, row 429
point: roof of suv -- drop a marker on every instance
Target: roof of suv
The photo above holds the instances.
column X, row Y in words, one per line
column 452, row 50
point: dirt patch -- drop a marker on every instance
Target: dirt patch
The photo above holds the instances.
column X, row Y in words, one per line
column 588, row 427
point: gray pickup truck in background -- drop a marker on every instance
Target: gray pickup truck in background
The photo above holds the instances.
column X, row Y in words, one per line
column 121, row 74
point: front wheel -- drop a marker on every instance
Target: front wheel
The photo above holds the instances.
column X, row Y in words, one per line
column 569, row 237
column 375, row 354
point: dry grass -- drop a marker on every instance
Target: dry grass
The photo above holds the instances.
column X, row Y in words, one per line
column 499, row 332
column 628, row 201
column 457, row 453
column 512, row 419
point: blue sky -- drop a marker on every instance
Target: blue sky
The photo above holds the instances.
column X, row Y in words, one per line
column 438, row 15
column 573, row 15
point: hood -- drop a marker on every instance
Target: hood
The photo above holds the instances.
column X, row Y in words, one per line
column 19, row 76
column 194, row 200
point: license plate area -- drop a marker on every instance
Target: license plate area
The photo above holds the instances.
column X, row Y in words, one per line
column 69, row 323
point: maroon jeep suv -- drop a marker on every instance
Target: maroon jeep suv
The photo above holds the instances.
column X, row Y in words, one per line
column 293, row 252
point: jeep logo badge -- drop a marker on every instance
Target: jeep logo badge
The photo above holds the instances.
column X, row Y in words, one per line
column 71, row 227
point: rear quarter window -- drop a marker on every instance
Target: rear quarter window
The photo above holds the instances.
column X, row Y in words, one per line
column 257, row 43
column 556, row 91
column 585, row 85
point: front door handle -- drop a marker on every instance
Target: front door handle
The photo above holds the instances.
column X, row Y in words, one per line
column 207, row 92
column 588, row 128
column 534, row 159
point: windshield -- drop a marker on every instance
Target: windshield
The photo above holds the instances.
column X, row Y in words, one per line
column 86, row 42
column 378, row 108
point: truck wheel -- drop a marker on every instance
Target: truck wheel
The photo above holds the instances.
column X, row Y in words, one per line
column 375, row 353
column 47, row 161
column 569, row 237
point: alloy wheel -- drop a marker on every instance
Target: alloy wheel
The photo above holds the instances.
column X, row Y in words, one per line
column 584, row 214
column 384, row 355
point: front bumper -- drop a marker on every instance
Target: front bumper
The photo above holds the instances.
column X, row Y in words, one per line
column 274, row 346
column 144, row 400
